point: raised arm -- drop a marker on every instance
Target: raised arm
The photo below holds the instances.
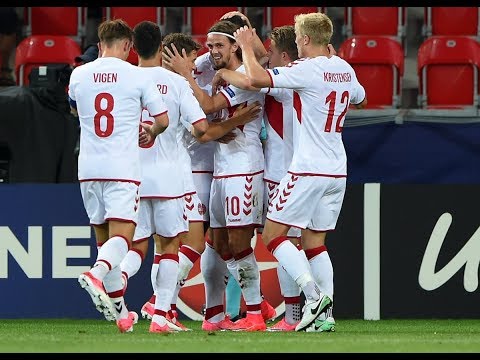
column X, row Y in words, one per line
column 179, row 64
column 256, row 73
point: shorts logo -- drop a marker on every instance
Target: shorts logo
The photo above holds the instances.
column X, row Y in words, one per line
column 275, row 72
column 202, row 209
column 230, row 92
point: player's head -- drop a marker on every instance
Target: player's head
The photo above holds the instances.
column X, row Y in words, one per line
column 116, row 36
column 221, row 43
column 237, row 20
column 147, row 39
column 283, row 48
column 313, row 29
column 182, row 41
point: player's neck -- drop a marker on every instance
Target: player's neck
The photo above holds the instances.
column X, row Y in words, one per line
column 155, row 61
column 234, row 63
column 315, row 51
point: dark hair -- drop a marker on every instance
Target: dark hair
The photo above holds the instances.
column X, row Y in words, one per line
column 181, row 41
column 237, row 20
column 227, row 27
column 112, row 30
column 147, row 39
column 284, row 37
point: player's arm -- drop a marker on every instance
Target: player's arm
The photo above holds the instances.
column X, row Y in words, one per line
column 235, row 78
column 258, row 47
column 179, row 64
column 73, row 106
column 358, row 97
column 257, row 75
column 243, row 114
column 152, row 131
column 199, row 128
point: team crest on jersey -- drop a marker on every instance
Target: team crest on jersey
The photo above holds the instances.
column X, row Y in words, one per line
column 275, row 71
column 230, row 92
column 202, row 209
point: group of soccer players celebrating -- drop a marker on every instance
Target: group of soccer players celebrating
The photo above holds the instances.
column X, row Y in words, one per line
column 171, row 148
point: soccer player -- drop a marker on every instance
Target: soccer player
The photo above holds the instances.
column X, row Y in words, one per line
column 161, row 194
column 161, row 200
column 236, row 195
column 310, row 196
column 282, row 128
column 108, row 95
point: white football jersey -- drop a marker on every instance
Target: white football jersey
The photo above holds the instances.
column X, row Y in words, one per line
column 244, row 154
column 280, row 122
column 201, row 155
column 161, row 163
column 324, row 88
column 110, row 94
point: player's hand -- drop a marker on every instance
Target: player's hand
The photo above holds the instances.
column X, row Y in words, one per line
column 244, row 36
column 246, row 113
column 217, row 82
column 230, row 14
column 225, row 139
column 147, row 135
column 178, row 63
column 331, row 49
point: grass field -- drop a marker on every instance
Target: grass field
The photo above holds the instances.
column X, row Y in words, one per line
column 66, row 335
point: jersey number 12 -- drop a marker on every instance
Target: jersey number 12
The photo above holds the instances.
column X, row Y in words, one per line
column 331, row 99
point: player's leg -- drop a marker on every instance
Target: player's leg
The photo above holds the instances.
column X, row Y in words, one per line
column 143, row 231
column 290, row 292
column 313, row 240
column 243, row 212
column 212, row 265
column 292, row 206
column 170, row 222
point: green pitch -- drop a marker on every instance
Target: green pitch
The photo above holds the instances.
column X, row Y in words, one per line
column 66, row 335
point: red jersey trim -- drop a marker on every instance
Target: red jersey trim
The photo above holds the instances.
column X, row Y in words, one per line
column 199, row 121
column 271, row 80
column 201, row 172
column 236, row 175
column 317, row 174
column 161, row 197
column 271, row 181
column 160, row 113
column 118, row 180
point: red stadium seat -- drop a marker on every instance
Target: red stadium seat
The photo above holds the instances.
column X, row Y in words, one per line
column 197, row 20
column 378, row 62
column 66, row 21
column 133, row 15
column 451, row 21
column 448, row 72
column 275, row 16
column 383, row 21
column 38, row 50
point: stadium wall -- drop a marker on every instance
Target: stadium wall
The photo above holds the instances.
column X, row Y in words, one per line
column 407, row 243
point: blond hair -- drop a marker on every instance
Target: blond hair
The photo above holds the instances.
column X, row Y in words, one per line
column 317, row 26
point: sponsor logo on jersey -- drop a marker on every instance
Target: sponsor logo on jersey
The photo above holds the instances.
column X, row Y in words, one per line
column 275, row 71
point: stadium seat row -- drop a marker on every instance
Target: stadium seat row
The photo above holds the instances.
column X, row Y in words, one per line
column 385, row 21
column 447, row 65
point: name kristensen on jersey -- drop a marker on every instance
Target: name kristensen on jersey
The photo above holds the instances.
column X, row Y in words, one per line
column 337, row 77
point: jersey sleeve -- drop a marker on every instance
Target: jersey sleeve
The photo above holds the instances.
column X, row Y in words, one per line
column 190, row 110
column 358, row 92
column 152, row 99
column 235, row 95
column 296, row 75
column 72, row 85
